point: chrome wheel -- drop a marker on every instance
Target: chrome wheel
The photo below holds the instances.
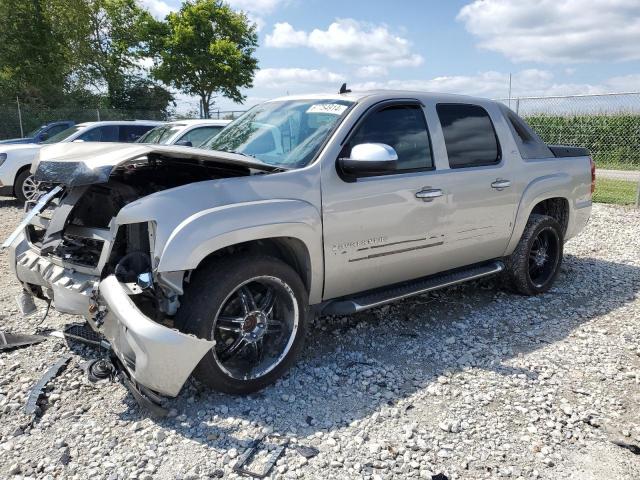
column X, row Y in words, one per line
column 544, row 256
column 29, row 187
column 255, row 328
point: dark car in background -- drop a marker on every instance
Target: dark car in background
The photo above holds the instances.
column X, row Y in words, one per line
column 42, row 133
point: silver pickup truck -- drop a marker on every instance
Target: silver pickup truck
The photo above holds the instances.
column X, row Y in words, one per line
column 211, row 260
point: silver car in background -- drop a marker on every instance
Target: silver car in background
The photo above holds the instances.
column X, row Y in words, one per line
column 187, row 133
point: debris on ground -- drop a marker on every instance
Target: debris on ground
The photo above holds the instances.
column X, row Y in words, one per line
column 32, row 408
column 10, row 340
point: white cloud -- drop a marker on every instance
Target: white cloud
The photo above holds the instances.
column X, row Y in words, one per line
column 556, row 31
column 284, row 36
column 256, row 6
column 372, row 71
column 292, row 77
column 158, row 8
column 491, row 84
column 350, row 41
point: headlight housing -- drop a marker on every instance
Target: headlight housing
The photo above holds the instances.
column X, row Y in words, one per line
column 3, row 157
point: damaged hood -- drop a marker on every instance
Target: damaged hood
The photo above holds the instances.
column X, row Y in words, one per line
column 75, row 164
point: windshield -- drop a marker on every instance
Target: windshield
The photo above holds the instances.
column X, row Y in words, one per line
column 160, row 134
column 287, row 133
column 62, row 135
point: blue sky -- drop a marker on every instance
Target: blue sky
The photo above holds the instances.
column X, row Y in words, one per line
column 551, row 47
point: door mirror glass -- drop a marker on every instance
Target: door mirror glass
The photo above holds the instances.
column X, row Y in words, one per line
column 184, row 143
column 370, row 159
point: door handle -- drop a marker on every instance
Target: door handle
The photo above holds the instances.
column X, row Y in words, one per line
column 500, row 184
column 428, row 194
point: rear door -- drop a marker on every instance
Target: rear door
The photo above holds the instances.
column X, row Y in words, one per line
column 475, row 173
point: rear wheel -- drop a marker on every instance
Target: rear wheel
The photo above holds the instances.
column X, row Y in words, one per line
column 535, row 263
column 25, row 186
column 255, row 308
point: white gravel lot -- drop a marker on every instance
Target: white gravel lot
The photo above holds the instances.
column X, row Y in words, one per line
column 470, row 382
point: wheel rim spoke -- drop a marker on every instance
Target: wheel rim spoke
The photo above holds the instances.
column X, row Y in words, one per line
column 230, row 324
column 274, row 326
column 247, row 300
column 233, row 349
column 267, row 301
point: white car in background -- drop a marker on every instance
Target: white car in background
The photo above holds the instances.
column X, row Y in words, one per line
column 188, row 133
column 15, row 159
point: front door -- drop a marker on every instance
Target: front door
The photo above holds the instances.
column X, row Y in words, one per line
column 384, row 229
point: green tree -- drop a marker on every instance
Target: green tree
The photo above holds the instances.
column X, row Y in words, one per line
column 204, row 49
column 111, row 44
column 34, row 61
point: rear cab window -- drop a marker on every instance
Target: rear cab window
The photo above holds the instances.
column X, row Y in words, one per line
column 529, row 144
column 469, row 135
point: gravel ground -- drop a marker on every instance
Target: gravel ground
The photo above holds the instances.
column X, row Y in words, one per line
column 469, row 382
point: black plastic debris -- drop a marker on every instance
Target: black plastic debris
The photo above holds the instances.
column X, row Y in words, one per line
column 439, row 476
column 635, row 449
column 143, row 398
column 38, row 389
column 246, row 458
column 100, row 369
column 84, row 334
column 14, row 340
column 306, row 451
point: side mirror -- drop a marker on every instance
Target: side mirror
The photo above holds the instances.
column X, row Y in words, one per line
column 184, row 143
column 44, row 136
column 370, row 159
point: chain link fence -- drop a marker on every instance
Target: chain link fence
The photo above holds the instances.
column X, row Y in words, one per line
column 608, row 125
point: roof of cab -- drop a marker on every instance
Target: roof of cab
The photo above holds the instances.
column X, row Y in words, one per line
column 359, row 95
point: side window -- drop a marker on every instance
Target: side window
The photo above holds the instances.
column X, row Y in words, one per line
column 199, row 135
column 54, row 130
column 106, row 133
column 131, row 133
column 469, row 136
column 402, row 127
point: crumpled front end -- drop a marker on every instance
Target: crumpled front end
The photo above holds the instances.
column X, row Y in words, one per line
column 73, row 249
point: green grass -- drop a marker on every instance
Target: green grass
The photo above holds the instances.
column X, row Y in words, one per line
column 620, row 192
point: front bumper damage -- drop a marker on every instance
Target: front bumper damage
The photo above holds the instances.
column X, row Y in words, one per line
column 155, row 356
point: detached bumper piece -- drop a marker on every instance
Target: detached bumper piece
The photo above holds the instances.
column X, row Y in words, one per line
column 154, row 356
column 38, row 389
column 15, row 340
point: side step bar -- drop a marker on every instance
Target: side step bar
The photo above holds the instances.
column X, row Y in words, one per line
column 375, row 298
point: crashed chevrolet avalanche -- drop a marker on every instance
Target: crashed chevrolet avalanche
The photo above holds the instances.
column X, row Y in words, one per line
column 210, row 260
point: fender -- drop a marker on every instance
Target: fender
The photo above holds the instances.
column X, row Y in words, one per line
column 541, row 188
column 212, row 229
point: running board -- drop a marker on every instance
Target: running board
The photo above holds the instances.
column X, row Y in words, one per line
column 375, row 298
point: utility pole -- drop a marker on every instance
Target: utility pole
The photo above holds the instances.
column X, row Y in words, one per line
column 20, row 118
column 509, row 90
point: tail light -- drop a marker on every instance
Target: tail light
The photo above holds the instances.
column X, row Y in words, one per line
column 593, row 175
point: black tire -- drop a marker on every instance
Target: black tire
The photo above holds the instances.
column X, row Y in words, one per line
column 19, row 184
column 525, row 272
column 211, row 290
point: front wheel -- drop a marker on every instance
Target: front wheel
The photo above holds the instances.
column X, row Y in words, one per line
column 535, row 263
column 255, row 308
column 25, row 187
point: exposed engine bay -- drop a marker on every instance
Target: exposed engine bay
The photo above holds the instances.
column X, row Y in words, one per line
column 77, row 227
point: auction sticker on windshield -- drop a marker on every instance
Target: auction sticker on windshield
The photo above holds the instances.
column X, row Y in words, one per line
column 333, row 108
